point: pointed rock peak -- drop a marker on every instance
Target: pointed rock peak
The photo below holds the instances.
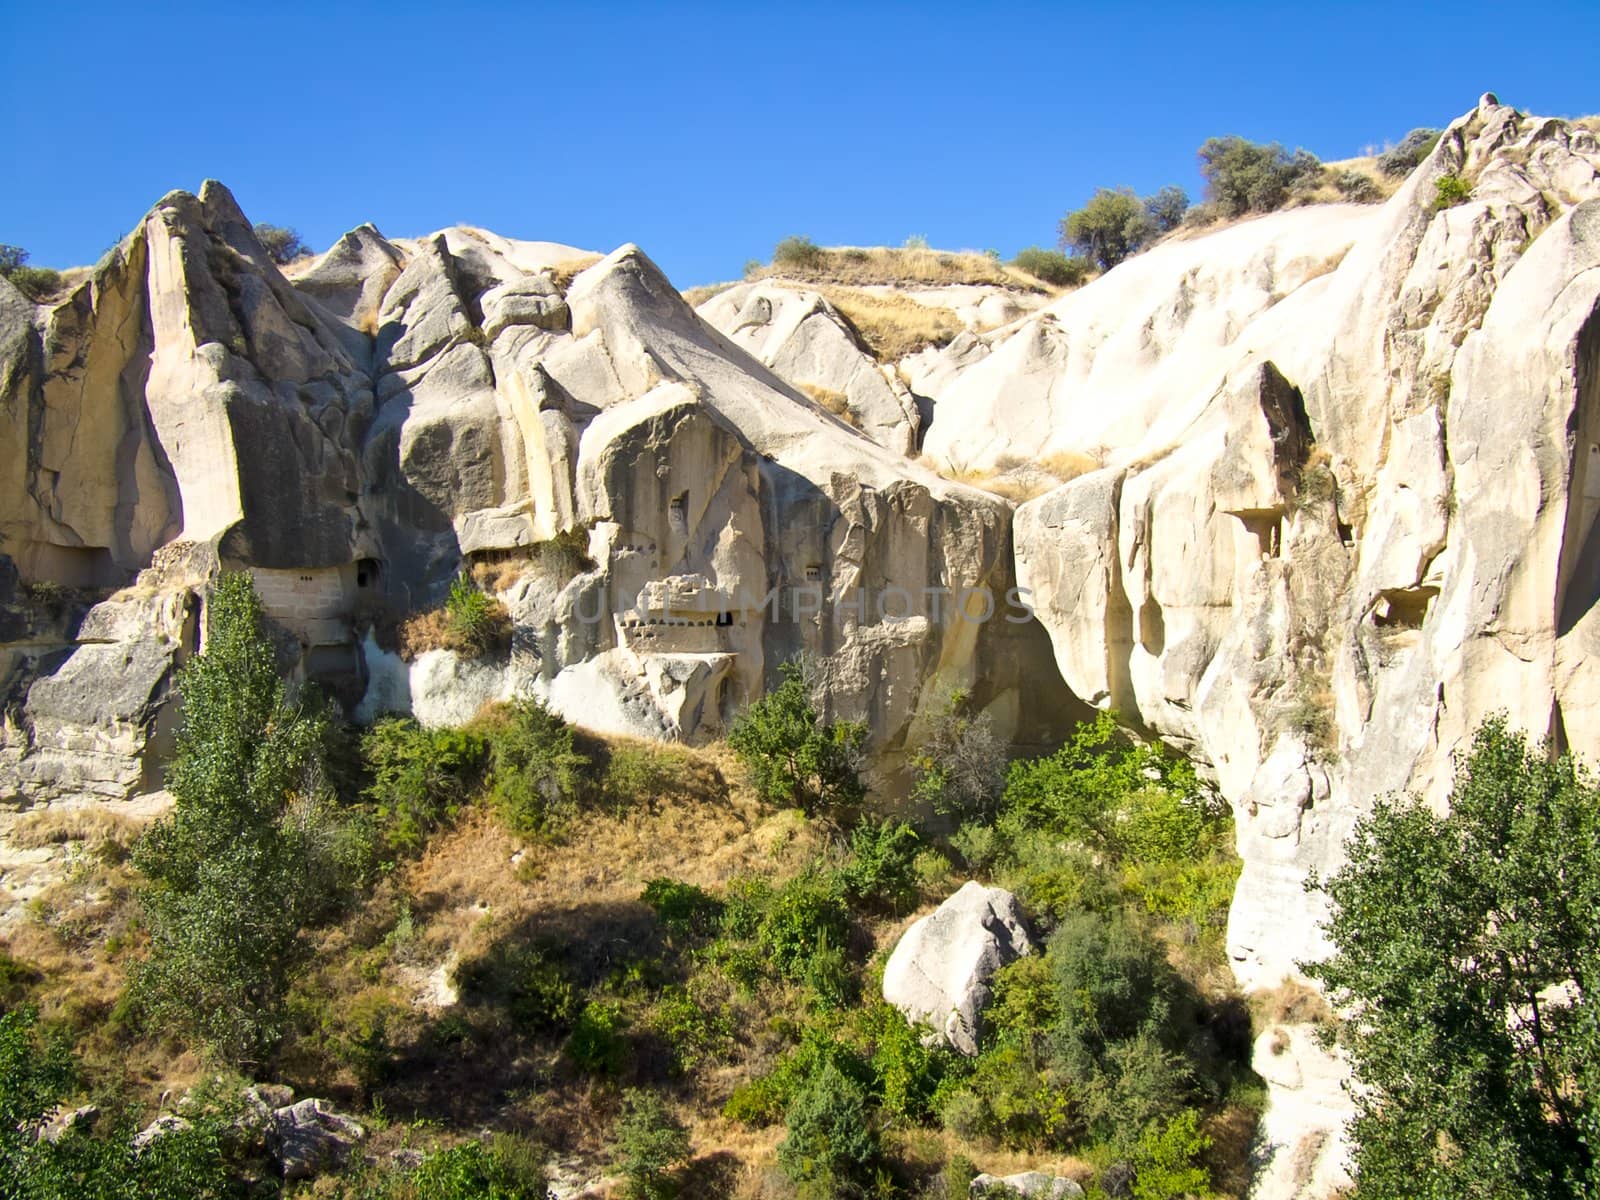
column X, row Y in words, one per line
column 221, row 208
column 628, row 271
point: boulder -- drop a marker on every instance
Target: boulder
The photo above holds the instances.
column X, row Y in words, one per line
column 1028, row 1185
column 160, row 1128
column 311, row 1137
column 940, row 969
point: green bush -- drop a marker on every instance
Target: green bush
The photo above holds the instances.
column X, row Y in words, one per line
column 1169, row 1161
column 1244, row 176
column 535, row 989
column 597, row 1045
column 36, row 283
column 476, row 623
column 537, row 776
column 694, row 1027
column 799, row 252
column 1403, row 158
column 881, row 869
column 793, row 756
column 1052, row 266
column 832, row 1144
column 507, row 1168
column 38, row 1073
column 1449, row 191
column 420, row 777
column 683, row 908
column 650, row 1142
column 806, row 913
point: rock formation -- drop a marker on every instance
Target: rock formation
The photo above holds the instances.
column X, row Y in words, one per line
column 1337, row 476
column 399, row 411
column 1343, row 505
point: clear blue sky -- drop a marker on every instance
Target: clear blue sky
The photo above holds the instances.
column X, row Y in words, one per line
column 707, row 132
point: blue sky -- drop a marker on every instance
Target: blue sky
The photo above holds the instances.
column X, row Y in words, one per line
column 707, row 132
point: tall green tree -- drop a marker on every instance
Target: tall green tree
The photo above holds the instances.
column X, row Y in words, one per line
column 243, row 860
column 1467, row 952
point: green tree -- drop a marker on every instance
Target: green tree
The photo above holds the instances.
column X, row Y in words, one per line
column 832, row 1143
column 35, row 283
column 1112, row 226
column 650, row 1142
column 1467, row 952
column 242, row 861
column 1244, row 176
column 282, row 244
column 1166, row 207
column 795, row 757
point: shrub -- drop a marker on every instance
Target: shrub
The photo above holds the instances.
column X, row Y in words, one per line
column 282, row 245
column 650, row 1142
column 800, row 252
column 535, row 989
column 1356, row 187
column 1168, row 1162
column 683, row 908
column 536, row 775
column 1113, row 225
column 36, row 283
column 420, row 776
column 694, row 1027
column 961, row 765
column 477, row 622
column 1244, row 176
column 881, row 869
column 597, row 1045
column 507, row 1168
column 1052, row 266
column 808, row 912
column 1411, row 150
column 792, row 755
column 1449, row 191
column 240, row 864
column 831, row 1145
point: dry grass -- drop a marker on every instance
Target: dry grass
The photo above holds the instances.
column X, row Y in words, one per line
column 1018, row 479
column 95, row 825
column 437, row 630
column 892, row 326
column 696, row 296
column 835, row 402
column 856, row 266
column 563, row 273
column 1290, row 1003
column 1591, row 123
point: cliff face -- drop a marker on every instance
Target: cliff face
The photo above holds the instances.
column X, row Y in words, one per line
column 1340, row 469
column 1344, row 507
column 400, row 410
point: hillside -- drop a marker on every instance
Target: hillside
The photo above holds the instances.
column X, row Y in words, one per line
column 1303, row 497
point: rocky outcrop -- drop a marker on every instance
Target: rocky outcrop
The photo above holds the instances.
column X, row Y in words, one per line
column 808, row 343
column 1029, row 1185
column 939, row 972
column 1343, row 510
